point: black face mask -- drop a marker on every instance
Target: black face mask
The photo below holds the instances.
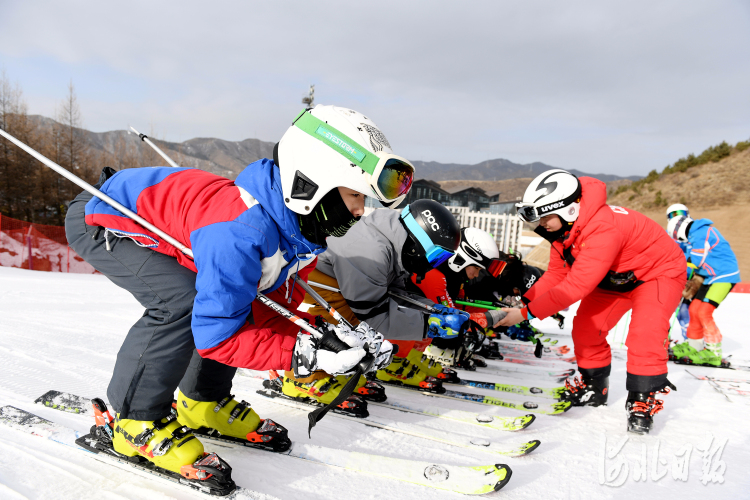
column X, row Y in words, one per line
column 553, row 236
column 330, row 217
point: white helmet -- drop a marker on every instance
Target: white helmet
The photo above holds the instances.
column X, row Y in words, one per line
column 553, row 192
column 477, row 248
column 327, row 147
column 677, row 209
column 678, row 227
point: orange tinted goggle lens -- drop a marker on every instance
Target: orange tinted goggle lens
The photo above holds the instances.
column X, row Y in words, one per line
column 496, row 267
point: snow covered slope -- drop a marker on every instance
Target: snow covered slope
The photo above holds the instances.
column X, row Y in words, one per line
column 62, row 331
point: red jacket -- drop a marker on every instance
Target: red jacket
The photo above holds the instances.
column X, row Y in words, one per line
column 604, row 238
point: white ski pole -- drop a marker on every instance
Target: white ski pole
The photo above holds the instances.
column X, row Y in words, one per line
column 91, row 189
column 145, row 139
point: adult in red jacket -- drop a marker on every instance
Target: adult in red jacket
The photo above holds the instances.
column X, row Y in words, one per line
column 613, row 260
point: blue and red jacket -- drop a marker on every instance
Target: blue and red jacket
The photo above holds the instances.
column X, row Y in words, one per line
column 244, row 240
column 711, row 254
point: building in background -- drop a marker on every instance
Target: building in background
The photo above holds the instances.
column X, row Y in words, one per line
column 505, row 228
column 503, row 207
column 471, row 206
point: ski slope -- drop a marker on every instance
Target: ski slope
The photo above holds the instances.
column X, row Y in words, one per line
column 63, row 331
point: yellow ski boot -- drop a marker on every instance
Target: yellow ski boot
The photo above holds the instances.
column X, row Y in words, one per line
column 431, row 367
column 406, row 373
column 163, row 447
column 319, row 389
column 233, row 421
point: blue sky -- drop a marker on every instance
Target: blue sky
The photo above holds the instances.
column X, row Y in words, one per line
column 600, row 86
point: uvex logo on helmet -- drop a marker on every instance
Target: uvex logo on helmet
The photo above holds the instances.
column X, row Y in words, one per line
column 551, row 206
column 431, row 220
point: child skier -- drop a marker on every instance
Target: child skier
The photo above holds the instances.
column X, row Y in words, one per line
column 377, row 256
column 252, row 234
column 445, row 284
column 712, row 272
column 683, row 313
column 611, row 259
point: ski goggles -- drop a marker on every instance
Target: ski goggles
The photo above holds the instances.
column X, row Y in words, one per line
column 527, row 212
column 496, row 267
column 434, row 254
column 677, row 213
column 390, row 176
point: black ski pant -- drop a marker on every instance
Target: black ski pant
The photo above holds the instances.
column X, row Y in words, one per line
column 159, row 353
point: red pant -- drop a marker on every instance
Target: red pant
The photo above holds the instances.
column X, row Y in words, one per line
column 652, row 303
column 702, row 324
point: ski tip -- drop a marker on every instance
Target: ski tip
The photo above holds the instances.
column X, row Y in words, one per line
column 562, row 407
column 506, row 473
column 531, row 446
column 527, row 420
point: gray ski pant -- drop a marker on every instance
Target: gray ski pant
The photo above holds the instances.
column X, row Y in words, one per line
column 158, row 354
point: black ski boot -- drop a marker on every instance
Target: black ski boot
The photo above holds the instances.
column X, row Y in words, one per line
column 591, row 389
column 479, row 361
column 642, row 406
column 490, row 351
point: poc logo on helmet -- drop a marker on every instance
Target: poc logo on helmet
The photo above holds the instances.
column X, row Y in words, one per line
column 431, row 220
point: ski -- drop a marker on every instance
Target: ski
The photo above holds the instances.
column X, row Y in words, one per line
column 477, row 480
column 736, row 388
column 520, row 371
column 483, row 420
column 552, row 409
column 64, row 401
column 29, row 423
column 550, row 364
column 687, row 361
column 402, row 428
column 717, row 379
column 530, row 347
column 529, row 352
column 72, row 403
column 545, row 392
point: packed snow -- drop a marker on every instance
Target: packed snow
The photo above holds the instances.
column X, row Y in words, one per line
column 62, row 331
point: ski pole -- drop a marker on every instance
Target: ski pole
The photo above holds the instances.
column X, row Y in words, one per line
column 426, row 309
column 320, row 300
column 145, row 139
column 91, row 189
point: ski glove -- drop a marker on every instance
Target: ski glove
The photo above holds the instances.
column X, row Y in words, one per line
column 517, row 332
column 692, row 287
column 446, row 325
column 311, row 354
column 375, row 344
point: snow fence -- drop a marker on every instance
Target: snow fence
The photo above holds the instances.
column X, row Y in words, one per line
column 38, row 247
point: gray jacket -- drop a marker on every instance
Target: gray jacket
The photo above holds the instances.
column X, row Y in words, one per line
column 366, row 262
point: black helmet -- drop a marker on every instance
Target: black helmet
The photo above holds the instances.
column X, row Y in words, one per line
column 434, row 236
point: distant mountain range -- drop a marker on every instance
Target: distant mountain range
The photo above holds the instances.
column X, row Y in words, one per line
column 228, row 158
column 495, row 170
